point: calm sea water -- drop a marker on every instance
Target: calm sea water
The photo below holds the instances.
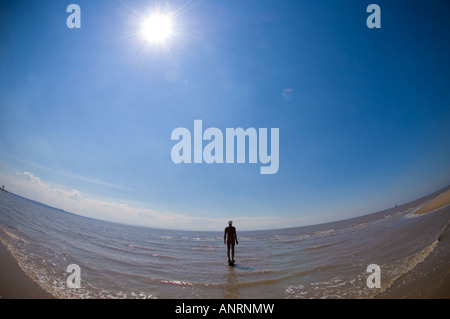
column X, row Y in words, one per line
column 322, row 261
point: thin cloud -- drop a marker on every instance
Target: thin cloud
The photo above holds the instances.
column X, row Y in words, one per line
column 69, row 175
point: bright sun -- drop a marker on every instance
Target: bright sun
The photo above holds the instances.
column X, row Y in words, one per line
column 157, row 28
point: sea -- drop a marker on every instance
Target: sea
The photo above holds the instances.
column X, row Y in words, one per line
column 329, row 260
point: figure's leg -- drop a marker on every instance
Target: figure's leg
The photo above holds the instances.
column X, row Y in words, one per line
column 228, row 252
column 232, row 252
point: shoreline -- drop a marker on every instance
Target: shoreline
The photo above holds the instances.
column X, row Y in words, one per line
column 14, row 283
column 17, row 285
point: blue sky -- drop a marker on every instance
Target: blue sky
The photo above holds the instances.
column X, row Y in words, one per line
column 87, row 114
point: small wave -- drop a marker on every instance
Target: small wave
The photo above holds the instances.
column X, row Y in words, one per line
column 13, row 236
column 139, row 247
column 207, row 239
column 322, row 232
column 104, row 246
column 318, row 246
column 149, row 245
column 212, row 249
column 165, row 237
column 134, row 295
column 177, row 282
column 291, row 239
column 148, row 251
column 355, row 226
column 402, row 267
column 93, row 292
column 166, row 257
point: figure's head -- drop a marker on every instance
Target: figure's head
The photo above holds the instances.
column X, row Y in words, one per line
column 230, row 222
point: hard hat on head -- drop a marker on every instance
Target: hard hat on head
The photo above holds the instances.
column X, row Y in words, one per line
column 230, row 222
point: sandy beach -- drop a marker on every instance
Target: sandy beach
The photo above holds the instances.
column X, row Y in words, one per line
column 14, row 283
column 439, row 202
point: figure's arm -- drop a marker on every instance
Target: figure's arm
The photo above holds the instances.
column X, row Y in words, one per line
column 235, row 236
column 224, row 235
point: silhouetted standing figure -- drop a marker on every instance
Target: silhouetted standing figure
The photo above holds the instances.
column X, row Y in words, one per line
column 230, row 237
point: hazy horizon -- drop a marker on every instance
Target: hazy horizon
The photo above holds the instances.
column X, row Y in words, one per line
column 218, row 228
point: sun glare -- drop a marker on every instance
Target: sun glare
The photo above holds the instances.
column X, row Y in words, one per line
column 157, row 28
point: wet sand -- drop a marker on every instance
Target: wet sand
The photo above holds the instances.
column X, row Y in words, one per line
column 14, row 283
column 443, row 292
